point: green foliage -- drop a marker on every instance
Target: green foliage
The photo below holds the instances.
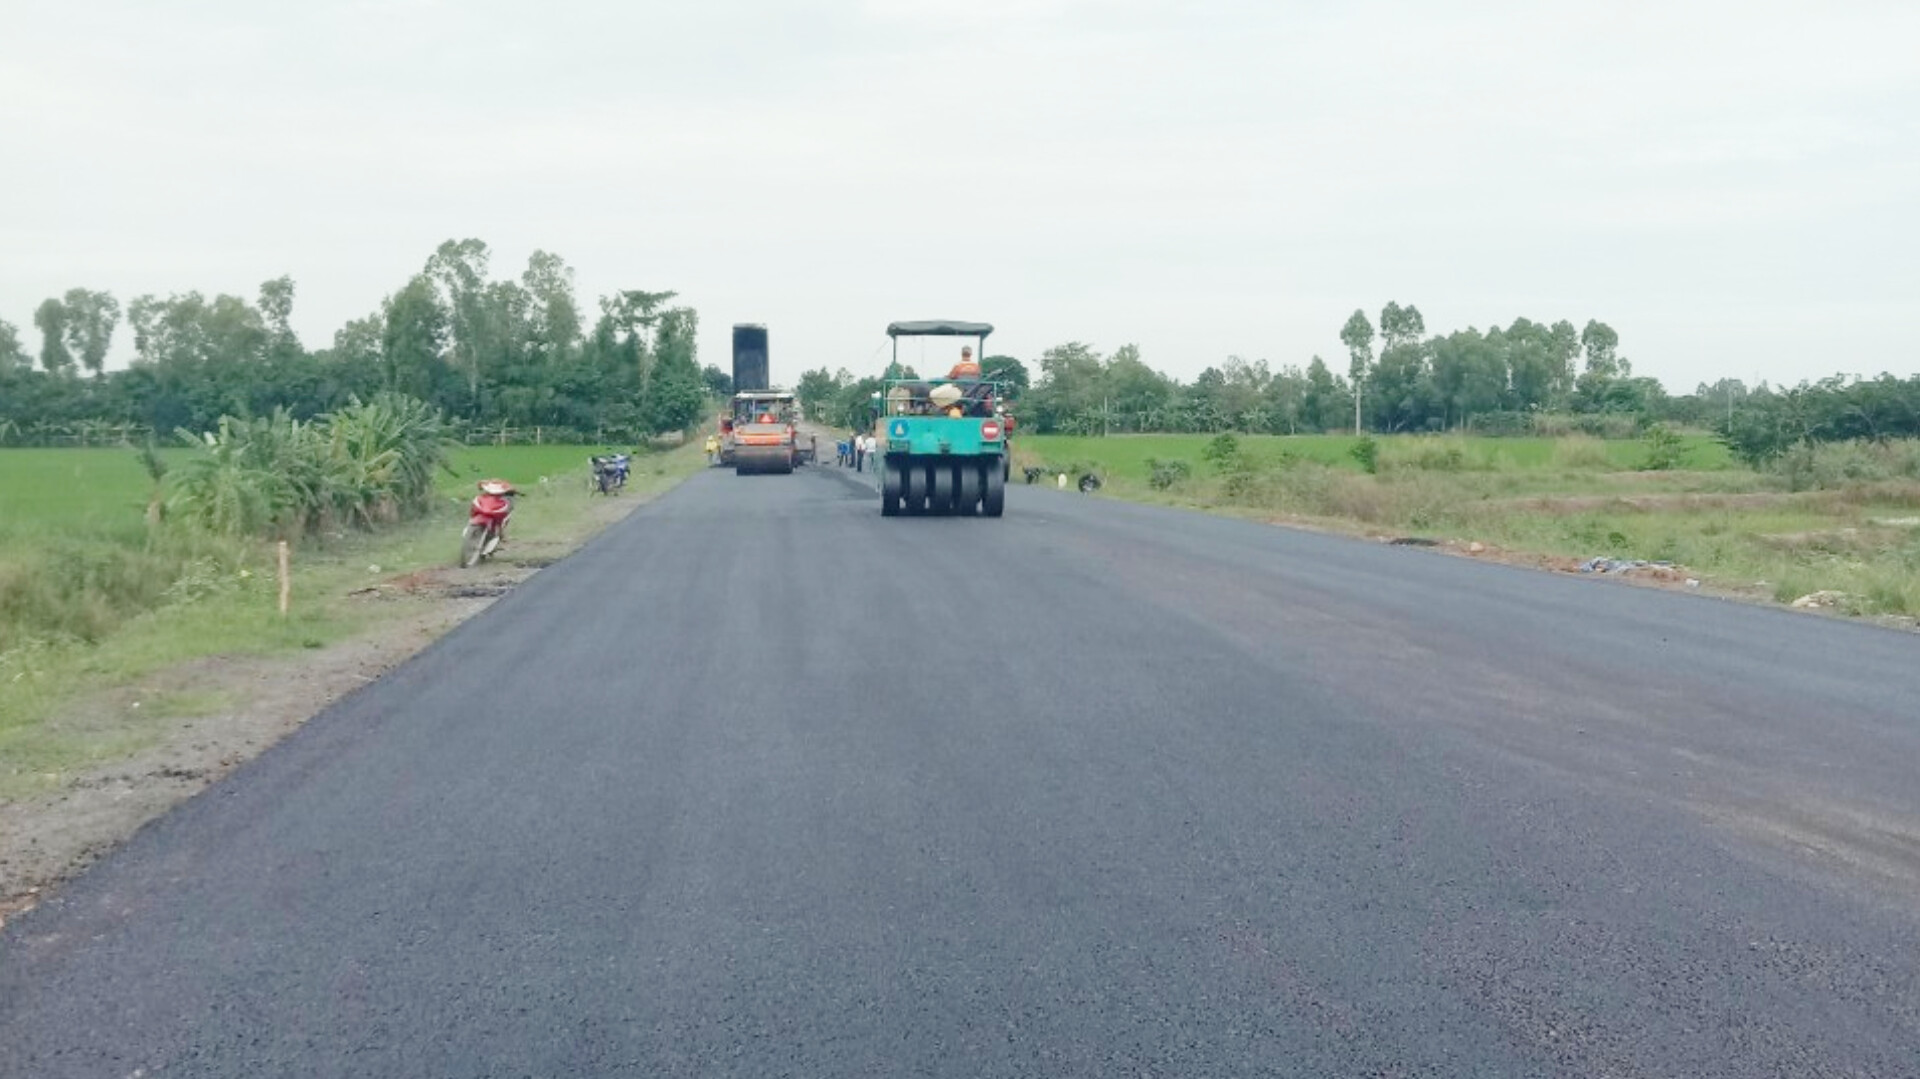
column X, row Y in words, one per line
column 50, row 318
column 1162, row 475
column 817, row 390
column 1367, row 452
column 280, row 476
column 1812, row 466
column 676, row 393
column 489, row 353
column 60, row 585
column 1666, row 450
column 852, row 405
column 1222, row 451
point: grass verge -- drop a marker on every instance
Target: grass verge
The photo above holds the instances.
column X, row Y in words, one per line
column 1844, row 527
column 225, row 604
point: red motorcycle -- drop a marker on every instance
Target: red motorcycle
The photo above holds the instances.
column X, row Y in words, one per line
column 486, row 521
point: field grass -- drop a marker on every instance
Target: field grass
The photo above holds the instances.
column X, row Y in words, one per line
column 1127, row 455
column 1849, row 523
column 89, row 489
column 107, row 489
column 77, row 516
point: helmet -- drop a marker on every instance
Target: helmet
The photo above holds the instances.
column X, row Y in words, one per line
column 496, row 487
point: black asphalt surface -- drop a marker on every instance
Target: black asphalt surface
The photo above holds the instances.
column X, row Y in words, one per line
column 762, row 784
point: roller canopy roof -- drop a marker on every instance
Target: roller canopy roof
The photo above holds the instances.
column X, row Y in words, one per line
column 939, row 328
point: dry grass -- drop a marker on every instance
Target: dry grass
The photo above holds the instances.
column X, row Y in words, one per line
column 1738, row 531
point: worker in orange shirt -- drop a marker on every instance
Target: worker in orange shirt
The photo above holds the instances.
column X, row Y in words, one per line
column 966, row 368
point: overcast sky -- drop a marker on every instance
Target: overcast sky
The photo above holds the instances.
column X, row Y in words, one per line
column 1733, row 186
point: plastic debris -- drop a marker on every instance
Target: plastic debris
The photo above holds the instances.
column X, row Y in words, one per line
column 1637, row 567
column 1620, row 565
column 1826, row 597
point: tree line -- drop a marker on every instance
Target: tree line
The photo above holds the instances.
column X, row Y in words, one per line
column 1527, row 377
column 1396, row 378
column 489, row 353
column 1407, row 382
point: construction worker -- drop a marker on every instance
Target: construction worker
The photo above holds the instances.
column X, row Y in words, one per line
column 966, row 368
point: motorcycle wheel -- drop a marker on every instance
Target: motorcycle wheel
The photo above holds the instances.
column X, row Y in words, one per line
column 470, row 540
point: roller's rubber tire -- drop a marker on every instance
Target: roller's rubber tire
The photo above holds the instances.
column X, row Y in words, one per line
column 994, row 501
column 890, row 482
column 913, row 487
column 942, row 500
column 972, row 478
column 470, row 541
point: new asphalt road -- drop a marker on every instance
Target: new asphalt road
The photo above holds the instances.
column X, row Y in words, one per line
column 763, row 784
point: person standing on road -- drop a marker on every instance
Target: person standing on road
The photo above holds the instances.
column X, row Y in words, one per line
column 867, row 445
column 859, row 453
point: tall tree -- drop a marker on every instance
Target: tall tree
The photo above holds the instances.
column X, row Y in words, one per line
column 1603, row 350
column 1357, row 335
column 1400, row 326
column 276, row 306
column 1134, row 393
column 1009, row 370
column 458, row 272
column 554, row 317
column 675, row 391
column 1069, row 391
column 816, row 389
column 1324, row 403
column 51, row 319
column 1563, row 348
column 90, row 322
column 12, row 355
column 415, row 339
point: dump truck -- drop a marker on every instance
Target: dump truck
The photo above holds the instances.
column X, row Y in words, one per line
column 942, row 441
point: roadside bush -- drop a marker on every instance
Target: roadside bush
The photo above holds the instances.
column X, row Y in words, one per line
column 1813, row 466
column 1164, row 474
column 1223, row 449
column 1665, row 450
column 80, row 587
column 1367, row 452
